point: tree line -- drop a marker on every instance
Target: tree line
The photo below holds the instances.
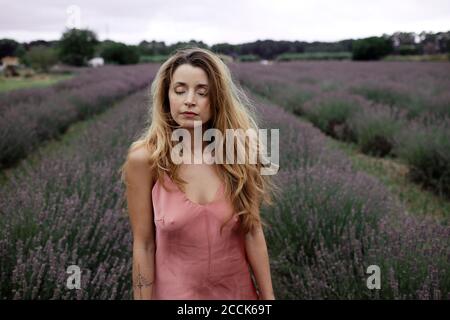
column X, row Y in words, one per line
column 76, row 46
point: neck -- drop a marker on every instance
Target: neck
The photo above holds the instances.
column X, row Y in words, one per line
column 197, row 143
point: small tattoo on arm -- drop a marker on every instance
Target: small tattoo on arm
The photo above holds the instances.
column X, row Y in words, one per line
column 141, row 282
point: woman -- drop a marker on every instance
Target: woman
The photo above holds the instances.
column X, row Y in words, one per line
column 197, row 231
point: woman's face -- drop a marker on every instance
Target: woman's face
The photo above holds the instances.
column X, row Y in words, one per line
column 189, row 92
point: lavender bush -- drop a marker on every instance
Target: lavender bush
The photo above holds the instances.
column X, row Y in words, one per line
column 376, row 128
column 331, row 111
column 427, row 152
column 69, row 209
column 392, row 95
column 30, row 116
column 333, row 222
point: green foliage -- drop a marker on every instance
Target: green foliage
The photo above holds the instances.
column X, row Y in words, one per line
column 391, row 97
column 224, row 48
column 31, row 82
column 418, row 57
column 375, row 131
column 407, row 50
column 9, row 47
column 248, row 58
column 315, row 56
column 373, row 48
column 428, row 154
column 119, row 53
column 153, row 59
column 331, row 115
column 152, row 48
column 41, row 58
column 77, row 46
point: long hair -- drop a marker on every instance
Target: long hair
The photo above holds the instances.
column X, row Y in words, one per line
column 230, row 109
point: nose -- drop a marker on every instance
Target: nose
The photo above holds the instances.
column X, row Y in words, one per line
column 189, row 99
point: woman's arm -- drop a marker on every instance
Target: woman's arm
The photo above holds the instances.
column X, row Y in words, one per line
column 138, row 192
column 256, row 248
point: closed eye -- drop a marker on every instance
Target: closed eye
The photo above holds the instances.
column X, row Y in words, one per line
column 181, row 92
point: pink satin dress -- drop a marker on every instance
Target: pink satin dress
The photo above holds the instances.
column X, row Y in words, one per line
column 193, row 260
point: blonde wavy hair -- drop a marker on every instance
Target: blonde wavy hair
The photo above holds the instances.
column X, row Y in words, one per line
column 230, row 109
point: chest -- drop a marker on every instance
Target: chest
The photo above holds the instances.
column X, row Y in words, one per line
column 203, row 182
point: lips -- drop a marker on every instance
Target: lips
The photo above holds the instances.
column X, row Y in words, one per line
column 190, row 113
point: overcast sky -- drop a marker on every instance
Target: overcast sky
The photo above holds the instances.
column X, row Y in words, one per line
column 212, row 21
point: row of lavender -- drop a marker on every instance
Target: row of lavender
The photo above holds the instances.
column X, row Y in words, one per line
column 388, row 109
column 68, row 209
column 328, row 226
column 333, row 222
column 30, row 116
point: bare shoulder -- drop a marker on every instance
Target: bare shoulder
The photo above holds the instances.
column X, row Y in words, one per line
column 139, row 156
column 138, row 164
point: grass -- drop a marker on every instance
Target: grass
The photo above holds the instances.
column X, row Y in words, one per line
column 315, row 56
column 418, row 57
column 41, row 80
column 394, row 174
column 153, row 59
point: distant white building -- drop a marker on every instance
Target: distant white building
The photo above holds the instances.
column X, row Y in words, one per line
column 266, row 62
column 96, row 62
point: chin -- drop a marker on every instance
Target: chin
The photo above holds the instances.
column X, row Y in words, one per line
column 189, row 123
column 188, row 126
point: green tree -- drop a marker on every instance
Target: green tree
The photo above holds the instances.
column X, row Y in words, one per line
column 120, row 53
column 77, row 46
column 41, row 58
column 9, row 47
column 373, row 48
column 152, row 48
column 224, row 48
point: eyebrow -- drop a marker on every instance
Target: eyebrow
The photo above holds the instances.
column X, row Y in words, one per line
column 198, row 85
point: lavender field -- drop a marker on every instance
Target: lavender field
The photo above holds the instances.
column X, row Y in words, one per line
column 389, row 109
column 329, row 224
column 30, row 116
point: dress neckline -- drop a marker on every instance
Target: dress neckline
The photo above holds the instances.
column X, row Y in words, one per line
column 216, row 199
